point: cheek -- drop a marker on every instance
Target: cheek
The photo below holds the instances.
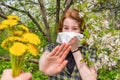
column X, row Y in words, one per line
column 76, row 31
column 62, row 30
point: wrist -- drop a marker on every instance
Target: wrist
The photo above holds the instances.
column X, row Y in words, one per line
column 75, row 50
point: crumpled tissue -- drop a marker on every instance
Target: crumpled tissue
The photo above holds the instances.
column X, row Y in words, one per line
column 65, row 37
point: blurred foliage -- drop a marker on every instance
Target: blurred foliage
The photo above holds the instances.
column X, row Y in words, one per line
column 34, row 69
column 28, row 67
column 108, row 74
column 102, row 18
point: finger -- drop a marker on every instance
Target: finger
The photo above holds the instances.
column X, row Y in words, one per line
column 74, row 39
column 24, row 76
column 63, row 50
column 7, row 75
column 62, row 66
column 6, row 71
column 60, row 49
column 63, row 56
column 71, row 42
column 54, row 51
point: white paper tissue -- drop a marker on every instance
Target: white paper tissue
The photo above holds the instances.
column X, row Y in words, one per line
column 67, row 36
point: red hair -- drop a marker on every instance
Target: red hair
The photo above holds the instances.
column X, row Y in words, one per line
column 74, row 14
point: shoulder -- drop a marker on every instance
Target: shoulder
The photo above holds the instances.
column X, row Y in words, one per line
column 85, row 48
column 50, row 47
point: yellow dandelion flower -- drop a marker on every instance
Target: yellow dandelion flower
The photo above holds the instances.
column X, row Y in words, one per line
column 10, row 38
column 18, row 33
column 14, row 38
column 13, row 17
column 4, row 44
column 10, row 22
column 31, row 38
column 32, row 49
column 20, row 39
column 23, row 28
column 18, row 49
column 2, row 26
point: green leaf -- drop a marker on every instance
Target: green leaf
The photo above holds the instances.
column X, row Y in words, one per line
column 86, row 33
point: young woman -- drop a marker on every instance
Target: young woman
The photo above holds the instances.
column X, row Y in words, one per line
column 65, row 61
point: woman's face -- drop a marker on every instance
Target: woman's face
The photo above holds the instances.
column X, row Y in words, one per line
column 70, row 25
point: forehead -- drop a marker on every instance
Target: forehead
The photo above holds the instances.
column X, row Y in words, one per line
column 70, row 21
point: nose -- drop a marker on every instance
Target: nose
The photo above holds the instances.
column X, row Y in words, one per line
column 70, row 30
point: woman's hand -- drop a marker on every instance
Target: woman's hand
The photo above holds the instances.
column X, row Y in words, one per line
column 54, row 62
column 7, row 75
column 74, row 43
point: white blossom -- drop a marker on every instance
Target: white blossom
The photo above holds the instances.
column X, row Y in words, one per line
column 81, row 14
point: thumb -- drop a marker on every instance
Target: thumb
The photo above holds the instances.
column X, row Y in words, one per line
column 24, row 76
column 7, row 75
column 62, row 66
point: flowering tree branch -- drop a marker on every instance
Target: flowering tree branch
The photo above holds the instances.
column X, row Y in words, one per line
column 15, row 9
column 28, row 14
column 68, row 3
column 43, row 11
column 57, row 10
column 1, row 11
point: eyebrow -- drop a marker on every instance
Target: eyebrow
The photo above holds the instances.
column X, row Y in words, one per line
column 67, row 25
column 64, row 25
column 76, row 26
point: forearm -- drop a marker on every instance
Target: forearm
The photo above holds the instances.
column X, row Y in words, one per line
column 83, row 69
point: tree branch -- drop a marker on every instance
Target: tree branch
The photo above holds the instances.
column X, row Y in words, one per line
column 43, row 11
column 29, row 15
column 68, row 3
column 57, row 11
column 4, row 17
column 1, row 11
column 38, row 26
column 22, row 5
column 34, row 61
column 29, row 60
column 13, row 8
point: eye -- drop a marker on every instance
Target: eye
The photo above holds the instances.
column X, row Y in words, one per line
column 65, row 27
column 75, row 28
